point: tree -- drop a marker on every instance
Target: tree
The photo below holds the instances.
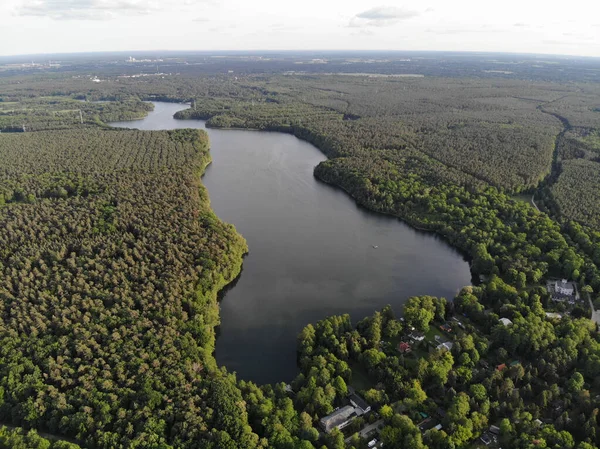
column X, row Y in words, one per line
column 478, row 392
column 386, row 412
column 576, row 382
column 340, row 387
column 419, row 311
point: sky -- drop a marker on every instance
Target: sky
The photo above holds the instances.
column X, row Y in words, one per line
column 519, row 26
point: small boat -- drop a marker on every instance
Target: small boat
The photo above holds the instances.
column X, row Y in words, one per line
column 375, row 246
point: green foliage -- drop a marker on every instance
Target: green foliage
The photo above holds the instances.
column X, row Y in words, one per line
column 111, row 260
column 17, row 438
column 577, row 191
column 419, row 311
column 113, row 288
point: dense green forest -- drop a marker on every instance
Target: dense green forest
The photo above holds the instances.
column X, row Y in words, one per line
column 111, row 262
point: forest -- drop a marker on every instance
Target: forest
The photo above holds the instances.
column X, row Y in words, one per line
column 111, row 263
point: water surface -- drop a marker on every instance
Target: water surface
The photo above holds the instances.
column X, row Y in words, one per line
column 311, row 248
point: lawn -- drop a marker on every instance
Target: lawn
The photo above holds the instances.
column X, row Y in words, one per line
column 435, row 330
column 360, row 378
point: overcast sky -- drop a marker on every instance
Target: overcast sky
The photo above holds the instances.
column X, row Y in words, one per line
column 525, row 26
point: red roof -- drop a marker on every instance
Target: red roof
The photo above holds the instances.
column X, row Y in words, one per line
column 501, row 367
column 403, row 347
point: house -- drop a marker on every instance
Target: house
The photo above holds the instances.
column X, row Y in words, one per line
column 361, row 406
column 417, row 336
column 553, row 315
column 501, row 367
column 446, row 328
column 506, row 321
column 403, row 347
column 494, row 430
column 485, row 439
column 338, row 419
column 447, row 345
column 564, row 288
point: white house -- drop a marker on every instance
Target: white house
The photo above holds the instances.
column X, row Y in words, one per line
column 564, row 287
column 506, row 321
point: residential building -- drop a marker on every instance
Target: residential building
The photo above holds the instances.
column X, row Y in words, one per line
column 447, row 345
column 338, row 419
column 564, row 288
column 361, row 406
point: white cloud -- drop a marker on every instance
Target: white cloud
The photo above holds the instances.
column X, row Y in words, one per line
column 31, row 26
column 94, row 9
column 382, row 16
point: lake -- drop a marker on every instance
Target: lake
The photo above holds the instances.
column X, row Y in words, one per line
column 313, row 251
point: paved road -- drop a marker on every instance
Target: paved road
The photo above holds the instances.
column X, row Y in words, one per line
column 595, row 313
column 363, row 433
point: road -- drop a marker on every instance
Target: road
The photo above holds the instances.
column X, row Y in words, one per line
column 595, row 313
column 533, row 202
column 363, row 433
column 45, row 435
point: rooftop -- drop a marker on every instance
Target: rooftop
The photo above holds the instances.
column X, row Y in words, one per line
column 359, row 402
column 337, row 418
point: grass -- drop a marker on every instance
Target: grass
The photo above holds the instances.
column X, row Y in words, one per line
column 433, row 331
column 360, row 378
column 522, row 198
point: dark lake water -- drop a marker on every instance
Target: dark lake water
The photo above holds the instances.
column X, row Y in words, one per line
column 311, row 248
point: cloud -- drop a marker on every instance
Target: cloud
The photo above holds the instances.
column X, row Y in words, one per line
column 482, row 29
column 381, row 16
column 94, row 9
column 580, row 36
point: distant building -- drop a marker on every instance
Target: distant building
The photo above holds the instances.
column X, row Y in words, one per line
column 361, row 406
column 553, row 315
column 506, row 321
column 338, row 419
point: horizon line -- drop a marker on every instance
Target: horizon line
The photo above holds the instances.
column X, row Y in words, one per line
column 258, row 51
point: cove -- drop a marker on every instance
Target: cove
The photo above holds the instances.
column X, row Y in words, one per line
column 313, row 251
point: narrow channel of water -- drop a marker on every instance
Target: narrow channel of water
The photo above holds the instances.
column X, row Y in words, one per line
column 313, row 252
